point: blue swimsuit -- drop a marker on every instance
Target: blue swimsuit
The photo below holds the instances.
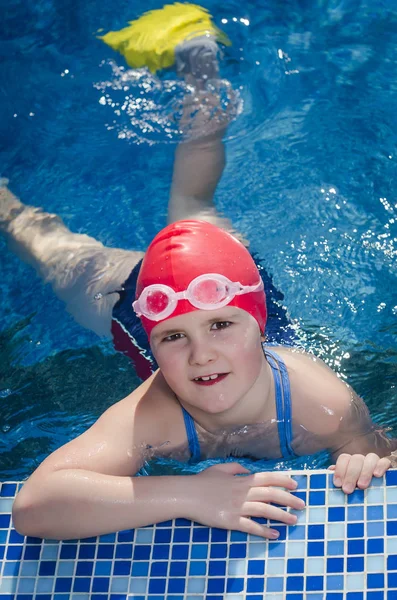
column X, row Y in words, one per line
column 283, row 409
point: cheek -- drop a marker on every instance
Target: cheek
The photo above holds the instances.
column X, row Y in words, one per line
column 249, row 354
column 251, row 364
column 173, row 368
column 169, row 359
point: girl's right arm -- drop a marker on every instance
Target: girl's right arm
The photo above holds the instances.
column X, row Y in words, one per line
column 77, row 503
column 86, row 489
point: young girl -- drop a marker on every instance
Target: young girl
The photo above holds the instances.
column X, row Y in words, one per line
column 219, row 391
column 198, row 299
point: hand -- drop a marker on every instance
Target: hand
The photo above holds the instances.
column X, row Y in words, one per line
column 197, row 59
column 223, row 500
column 358, row 470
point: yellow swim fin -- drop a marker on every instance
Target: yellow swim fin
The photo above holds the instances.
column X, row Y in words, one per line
column 150, row 41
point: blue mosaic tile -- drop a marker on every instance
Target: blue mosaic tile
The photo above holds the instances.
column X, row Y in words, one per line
column 392, row 562
column 357, row 497
column 316, row 532
column 180, row 552
column 318, row 481
column 125, row 536
column 355, row 564
column 336, row 514
column 375, row 546
column 342, row 548
column 391, row 527
column 355, row 530
column 5, row 521
column 181, row 535
column 123, row 551
column 315, row 549
column 355, row 547
column 256, row 585
column 335, row 565
column 392, row 580
column 375, row 529
column 316, row 498
column 355, row 513
column 103, row 567
column 391, row 477
column 295, row 583
column 201, row 535
column 122, row 567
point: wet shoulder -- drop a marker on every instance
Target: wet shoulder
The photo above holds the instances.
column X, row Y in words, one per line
column 319, row 397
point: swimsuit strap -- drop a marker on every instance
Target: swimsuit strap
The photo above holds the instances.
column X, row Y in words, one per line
column 283, row 402
column 192, row 438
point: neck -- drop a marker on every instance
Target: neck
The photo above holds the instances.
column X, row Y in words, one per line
column 254, row 407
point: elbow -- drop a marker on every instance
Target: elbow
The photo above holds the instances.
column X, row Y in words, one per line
column 20, row 520
column 23, row 516
column 27, row 515
column 20, row 517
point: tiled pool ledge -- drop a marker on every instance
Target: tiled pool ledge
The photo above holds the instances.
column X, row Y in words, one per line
column 342, row 548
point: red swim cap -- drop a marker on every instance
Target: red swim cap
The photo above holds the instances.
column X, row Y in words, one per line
column 186, row 249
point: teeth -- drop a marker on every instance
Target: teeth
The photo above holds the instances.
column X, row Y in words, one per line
column 210, row 377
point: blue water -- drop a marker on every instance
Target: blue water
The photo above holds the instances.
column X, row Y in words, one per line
column 310, row 180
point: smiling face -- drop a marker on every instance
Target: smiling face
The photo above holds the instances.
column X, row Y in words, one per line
column 212, row 360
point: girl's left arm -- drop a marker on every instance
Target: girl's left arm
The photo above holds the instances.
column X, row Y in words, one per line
column 361, row 449
column 328, row 414
column 200, row 157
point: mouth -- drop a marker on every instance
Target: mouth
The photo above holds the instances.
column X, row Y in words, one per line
column 210, row 379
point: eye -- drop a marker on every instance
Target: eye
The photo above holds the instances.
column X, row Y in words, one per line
column 221, row 325
column 173, row 337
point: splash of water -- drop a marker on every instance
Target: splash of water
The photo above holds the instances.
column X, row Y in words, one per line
column 146, row 109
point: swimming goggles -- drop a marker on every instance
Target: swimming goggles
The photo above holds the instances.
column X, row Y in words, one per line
column 206, row 292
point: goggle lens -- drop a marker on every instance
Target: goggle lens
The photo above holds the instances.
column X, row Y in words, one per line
column 156, row 302
column 209, row 291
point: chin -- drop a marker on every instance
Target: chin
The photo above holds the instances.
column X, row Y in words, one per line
column 217, row 406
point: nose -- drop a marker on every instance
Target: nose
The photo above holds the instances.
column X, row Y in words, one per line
column 202, row 351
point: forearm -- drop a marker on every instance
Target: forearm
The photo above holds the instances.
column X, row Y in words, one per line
column 200, row 158
column 376, row 442
column 209, row 105
column 198, row 168
column 69, row 504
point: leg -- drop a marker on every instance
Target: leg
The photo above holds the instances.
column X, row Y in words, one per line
column 77, row 266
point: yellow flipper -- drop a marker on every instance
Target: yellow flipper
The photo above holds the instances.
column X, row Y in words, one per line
column 150, row 41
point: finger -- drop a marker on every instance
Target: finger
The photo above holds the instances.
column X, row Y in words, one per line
column 268, row 511
column 370, row 463
column 340, row 469
column 331, row 468
column 353, row 472
column 247, row 525
column 276, row 496
column 273, row 479
column 383, row 465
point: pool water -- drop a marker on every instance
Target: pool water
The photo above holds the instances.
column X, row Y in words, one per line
column 310, row 181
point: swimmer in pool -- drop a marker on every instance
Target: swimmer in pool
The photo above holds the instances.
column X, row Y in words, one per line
column 218, row 391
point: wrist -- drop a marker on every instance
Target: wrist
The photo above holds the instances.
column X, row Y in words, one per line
column 174, row 497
